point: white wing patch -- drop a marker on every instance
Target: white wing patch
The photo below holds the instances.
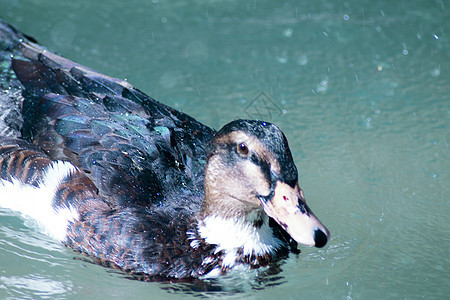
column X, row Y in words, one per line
column 36, row 202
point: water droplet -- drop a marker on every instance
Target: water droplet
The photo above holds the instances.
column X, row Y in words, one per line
column 282, row 60
column 288, row 32
column 436, row 71
column 323, row 85
column 303, row 60
column 346, row 17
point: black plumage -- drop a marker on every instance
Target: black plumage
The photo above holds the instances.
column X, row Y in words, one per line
column 106, row 128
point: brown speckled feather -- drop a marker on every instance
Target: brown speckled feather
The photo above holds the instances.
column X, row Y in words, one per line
column 21, row 160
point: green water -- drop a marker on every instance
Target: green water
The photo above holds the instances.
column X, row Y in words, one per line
column 360, row 88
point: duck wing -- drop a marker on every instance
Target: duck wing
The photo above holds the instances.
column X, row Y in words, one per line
column 135, row 149
column 148, row 243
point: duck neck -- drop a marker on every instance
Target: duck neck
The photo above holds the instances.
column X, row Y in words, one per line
column 232, row 218
column 239, row 238
column 239, row 231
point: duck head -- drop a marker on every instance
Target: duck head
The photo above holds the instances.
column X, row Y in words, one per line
column 250, row 174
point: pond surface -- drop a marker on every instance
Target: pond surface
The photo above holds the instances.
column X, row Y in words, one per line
column 361, row 90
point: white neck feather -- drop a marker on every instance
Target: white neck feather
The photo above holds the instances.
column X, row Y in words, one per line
column 232, row 234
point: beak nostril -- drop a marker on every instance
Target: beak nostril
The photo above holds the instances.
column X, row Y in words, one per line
column 320, row 238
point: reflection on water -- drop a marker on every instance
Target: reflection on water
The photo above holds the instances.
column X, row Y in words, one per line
column 32, row 284
column 364, row 92
column 28, row 260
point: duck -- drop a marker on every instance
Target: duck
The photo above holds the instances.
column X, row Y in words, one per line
column 136, row 185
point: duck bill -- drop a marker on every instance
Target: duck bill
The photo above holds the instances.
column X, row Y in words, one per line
column 288, row 208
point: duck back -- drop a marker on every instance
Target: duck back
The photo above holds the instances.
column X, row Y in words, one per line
column 136, row 150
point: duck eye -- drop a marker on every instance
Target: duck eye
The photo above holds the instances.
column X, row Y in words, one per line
column 242, row 149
